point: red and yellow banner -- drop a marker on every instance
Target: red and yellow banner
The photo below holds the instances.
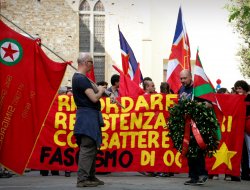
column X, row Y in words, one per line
column 136, row 138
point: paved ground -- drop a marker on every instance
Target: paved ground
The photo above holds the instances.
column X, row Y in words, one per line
column 114, row 181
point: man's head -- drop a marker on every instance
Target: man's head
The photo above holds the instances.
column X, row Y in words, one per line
column 145, row 82
column 146, row 79
column 115, row 80
column 102, row 83
column 186, row 77
column 149, row 87
column 85, row 62
column 164, row 88
column 222, row 91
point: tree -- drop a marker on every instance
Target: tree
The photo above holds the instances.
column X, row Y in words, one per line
column 239, row 17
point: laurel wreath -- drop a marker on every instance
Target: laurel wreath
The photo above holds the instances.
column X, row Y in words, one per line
column 205, row 120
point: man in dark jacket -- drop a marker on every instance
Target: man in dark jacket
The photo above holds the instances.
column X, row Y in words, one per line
column 197, row 170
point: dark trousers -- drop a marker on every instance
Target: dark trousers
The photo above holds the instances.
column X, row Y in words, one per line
column 46, row 172
column 197, row 166
column 87, row 159
column 244, row 161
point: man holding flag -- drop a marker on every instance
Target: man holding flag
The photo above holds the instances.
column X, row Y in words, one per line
column 202, row 91
column 196, row 165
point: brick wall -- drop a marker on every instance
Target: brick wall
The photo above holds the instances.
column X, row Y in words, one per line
column 54, row 21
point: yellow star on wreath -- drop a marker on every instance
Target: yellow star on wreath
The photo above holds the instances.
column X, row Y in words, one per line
column 223, row 155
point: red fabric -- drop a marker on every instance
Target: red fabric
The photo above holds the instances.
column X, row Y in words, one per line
column 232, row 130
column 179, row 52
column 137, row 76
column 91, row 74
column 29, row 81
column 127, row 87
column 174, row 79
column 186, row 138
column 125, row 63
column 197, row 135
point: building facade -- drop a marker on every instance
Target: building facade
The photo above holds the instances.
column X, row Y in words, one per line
column 68, row 27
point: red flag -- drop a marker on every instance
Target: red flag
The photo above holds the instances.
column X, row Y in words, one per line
column 29, row 82
column 179, row 58
column 91, row 74
column 137, row 76
column 125, row 64
column 127, row 87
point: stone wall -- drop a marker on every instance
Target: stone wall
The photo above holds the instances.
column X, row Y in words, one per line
column 54, row 21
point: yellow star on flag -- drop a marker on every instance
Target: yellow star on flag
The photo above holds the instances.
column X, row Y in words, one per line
column 223, row 155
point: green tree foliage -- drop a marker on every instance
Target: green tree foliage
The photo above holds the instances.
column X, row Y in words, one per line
column 239, row 17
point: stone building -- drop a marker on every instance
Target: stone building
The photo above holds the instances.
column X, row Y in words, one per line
column 68, row 27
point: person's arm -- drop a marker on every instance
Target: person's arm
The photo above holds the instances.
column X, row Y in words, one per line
column 207, row 104
column 94, row 97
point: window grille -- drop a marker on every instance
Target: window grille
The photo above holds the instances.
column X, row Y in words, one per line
column 99, row 26
column 84, row 33
column 99, row 65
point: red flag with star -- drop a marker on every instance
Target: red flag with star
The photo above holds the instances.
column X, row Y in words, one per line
column 29, row 82
column 9, row 52
column 179, row 58
column 227, row 159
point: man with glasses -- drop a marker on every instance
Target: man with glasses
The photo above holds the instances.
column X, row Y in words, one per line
column 87, row 128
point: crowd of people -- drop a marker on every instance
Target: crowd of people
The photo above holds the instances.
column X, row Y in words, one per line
column 89, row 121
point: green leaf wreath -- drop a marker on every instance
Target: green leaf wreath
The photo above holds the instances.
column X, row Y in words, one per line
column 205, row 120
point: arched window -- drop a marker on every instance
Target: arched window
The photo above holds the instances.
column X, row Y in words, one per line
column 92, row 34
column 99, row 6
column 84, row 6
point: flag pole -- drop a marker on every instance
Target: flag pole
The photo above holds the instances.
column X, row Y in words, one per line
column 40, row 42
